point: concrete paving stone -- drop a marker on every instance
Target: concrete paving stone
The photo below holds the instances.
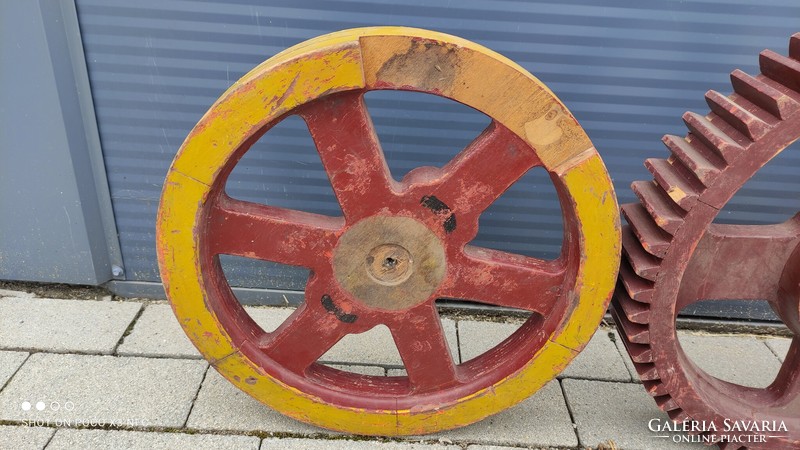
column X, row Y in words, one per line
column 372, row 347
column 599, row 360
column 67, row 439
column 13, row 293
column 74, row 390
column 9, row 363
column 541, row 420
column 269, row 318
column 222, row 406
column 64, row 325
column 477, row 337
column 779, row 346
column 158, row 333
column 491, row 447
column 363, row 370
column 619, row 412
column 24, row 437
column 376, row 346
column 335, row 444
column 738, row 359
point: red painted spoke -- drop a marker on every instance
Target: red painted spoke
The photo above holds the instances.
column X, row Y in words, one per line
column 419, row 337
column 739, row 262
column 312, row 329
column 351, row 154
column 504, row 279
column 274, row 234
column 478, row 175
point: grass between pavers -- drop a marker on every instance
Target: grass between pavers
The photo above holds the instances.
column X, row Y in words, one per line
column 196, row 394
column 59, row 290
column 131, row 325
column 284, row 435
column 18, row 369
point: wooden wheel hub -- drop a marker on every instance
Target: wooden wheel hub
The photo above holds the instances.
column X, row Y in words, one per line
column 389, row 263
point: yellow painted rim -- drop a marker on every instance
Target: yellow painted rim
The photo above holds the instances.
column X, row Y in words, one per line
column 350, row 60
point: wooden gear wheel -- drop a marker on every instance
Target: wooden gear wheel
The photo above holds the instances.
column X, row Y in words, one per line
column 400, row 245
column 675, row 255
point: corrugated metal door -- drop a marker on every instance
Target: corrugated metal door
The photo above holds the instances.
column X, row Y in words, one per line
column 627, row 70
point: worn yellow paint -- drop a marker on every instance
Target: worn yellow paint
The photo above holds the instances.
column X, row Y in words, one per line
column 270, row 92
column 677, row 194
column 176, row 247
column 550, row 360
column 479, row 78
column 349, row 60
column 595, row 203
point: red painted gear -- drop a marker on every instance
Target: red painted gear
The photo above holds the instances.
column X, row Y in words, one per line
column 676, row 256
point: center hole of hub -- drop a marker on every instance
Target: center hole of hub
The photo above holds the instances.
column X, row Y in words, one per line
column 389, row 264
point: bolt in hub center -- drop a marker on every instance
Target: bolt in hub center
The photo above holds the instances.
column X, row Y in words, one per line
column 389, row 264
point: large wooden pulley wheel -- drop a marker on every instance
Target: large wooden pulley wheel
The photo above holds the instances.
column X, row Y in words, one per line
column 400, row 245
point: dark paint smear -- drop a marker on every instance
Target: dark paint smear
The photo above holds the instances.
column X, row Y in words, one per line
column 327, row 302
column 450, row 224
column 440, row 208
column 434, row 204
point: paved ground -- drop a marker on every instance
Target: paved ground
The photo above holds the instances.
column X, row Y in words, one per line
column 121, row 374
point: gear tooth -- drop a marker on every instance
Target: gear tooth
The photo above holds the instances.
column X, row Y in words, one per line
column 712, row 136
column 678, row 415
column 638, row 288
column 704, row 163
column 655, row 387
column 763, row 95
column 666, row 213
column 666, row 402
column 794, row 46
column 653, row 239
column 738, row 117
column 638, row 352
column 782, row 69
column 635, row 311
column 634, row 333
column 682, row 189
column 646, row 371
column 730, row 446
column 644, row 264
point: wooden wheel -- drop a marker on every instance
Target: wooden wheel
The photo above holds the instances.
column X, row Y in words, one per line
column 399, row 246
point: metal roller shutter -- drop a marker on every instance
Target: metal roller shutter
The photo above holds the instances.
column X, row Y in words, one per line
column 626, row 70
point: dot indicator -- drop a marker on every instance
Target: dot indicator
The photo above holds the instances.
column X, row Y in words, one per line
column 26, row 406
column 40, row 406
